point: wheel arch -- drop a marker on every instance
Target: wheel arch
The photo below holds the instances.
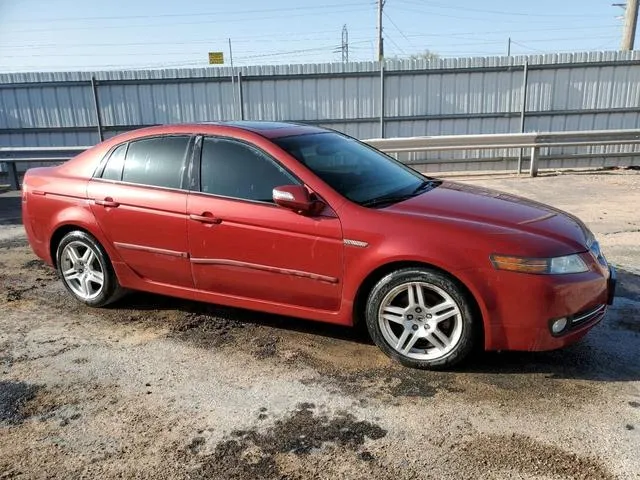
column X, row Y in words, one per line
column 62, row 230
column 382, row 270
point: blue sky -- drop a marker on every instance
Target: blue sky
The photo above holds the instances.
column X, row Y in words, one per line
column 98, row 34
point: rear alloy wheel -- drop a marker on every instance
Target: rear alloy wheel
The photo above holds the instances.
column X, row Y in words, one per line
column 85, row 269
column 421, row 317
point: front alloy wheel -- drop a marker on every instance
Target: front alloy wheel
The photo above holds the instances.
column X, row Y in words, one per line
column 421, row 317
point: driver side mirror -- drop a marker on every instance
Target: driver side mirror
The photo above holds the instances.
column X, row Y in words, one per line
column 297, row 198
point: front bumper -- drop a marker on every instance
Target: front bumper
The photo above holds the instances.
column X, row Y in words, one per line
column 519, row 308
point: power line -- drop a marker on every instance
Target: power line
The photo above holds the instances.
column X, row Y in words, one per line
column 263, row 39
column 277, row 53
column 287, row 36
column 495, row 12
column 432, row 13
column 138, row 54
column 502, row 32
column 217, row 14
column 198, row 22
column 396, row 27
column 396, row 45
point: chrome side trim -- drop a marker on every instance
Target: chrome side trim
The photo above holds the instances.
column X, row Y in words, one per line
column 264, row 268
column 143, row 248
column 591, row 314
column 355, row 243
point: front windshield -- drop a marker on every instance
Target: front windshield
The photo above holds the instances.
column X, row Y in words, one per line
column 353, row 169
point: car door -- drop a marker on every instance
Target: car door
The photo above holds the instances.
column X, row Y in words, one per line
column 242, row 244
column 139, row 203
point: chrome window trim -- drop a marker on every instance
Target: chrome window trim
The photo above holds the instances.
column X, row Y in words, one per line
column 141, row 185
column 235, row 199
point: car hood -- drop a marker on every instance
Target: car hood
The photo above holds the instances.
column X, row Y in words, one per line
column 508, row 214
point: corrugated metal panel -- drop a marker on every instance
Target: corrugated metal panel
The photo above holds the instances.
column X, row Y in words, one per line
column 442, row 96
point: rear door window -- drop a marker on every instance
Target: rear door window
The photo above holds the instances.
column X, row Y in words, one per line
column 113, row 169
column 158, row 161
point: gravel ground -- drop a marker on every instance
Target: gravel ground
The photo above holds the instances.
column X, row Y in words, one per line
column 155, row 387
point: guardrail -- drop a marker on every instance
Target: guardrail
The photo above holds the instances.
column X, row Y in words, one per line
column 533, row 141
column 13, row 155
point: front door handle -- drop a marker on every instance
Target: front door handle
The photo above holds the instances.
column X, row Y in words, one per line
column 107, row 202
column 206, row 217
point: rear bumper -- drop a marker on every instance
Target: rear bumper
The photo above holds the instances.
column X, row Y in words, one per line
column 34, row 233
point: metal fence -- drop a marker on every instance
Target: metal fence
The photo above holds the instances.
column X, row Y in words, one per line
column 580, row 91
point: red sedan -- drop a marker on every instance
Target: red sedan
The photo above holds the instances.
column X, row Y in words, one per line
column 301, row 221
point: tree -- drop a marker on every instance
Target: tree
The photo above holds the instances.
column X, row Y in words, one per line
column 426, row 55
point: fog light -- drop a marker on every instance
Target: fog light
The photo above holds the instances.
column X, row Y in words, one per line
column 558, row 325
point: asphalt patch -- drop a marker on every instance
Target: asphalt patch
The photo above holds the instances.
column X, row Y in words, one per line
column 528, row 456
column 394, row 381
column 14, row 243
column 631, row 325
column 13, row 398
column 253, row 454
column 6, row 361
column 628, row 285
column 266, row 347
column 38, row 265
column 14, row 294
column 207, row 323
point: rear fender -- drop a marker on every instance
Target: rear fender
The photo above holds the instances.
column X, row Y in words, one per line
column 79, row 215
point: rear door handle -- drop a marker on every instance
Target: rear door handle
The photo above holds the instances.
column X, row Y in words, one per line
column 107, row 202
column 206, row 217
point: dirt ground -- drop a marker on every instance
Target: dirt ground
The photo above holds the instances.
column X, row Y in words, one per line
column 155, row 387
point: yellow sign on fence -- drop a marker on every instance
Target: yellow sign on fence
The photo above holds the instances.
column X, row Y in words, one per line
column 216, row 58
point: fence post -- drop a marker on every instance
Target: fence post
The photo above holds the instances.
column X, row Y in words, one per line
column 382, row 99
column 533, row 167
column 240, row 95
column 96, row 105
column 523, row 108
column 12, row 171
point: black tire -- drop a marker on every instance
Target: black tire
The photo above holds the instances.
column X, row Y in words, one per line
column 469, row 325
column 111, row 290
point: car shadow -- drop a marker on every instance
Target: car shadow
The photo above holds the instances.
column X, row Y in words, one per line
column 609, row 353
column 147, row 301
column 10, row 208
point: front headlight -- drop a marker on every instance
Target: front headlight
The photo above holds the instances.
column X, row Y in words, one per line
column 544, row 266
column 567, row 264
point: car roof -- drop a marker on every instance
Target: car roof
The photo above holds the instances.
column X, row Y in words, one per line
column 274, row 129
column 266, row 129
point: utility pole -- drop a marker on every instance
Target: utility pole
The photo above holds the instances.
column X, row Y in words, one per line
column 380, row 39
column 233, row 83
column 345, row 44
column 509, row 48
column 630, row 21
